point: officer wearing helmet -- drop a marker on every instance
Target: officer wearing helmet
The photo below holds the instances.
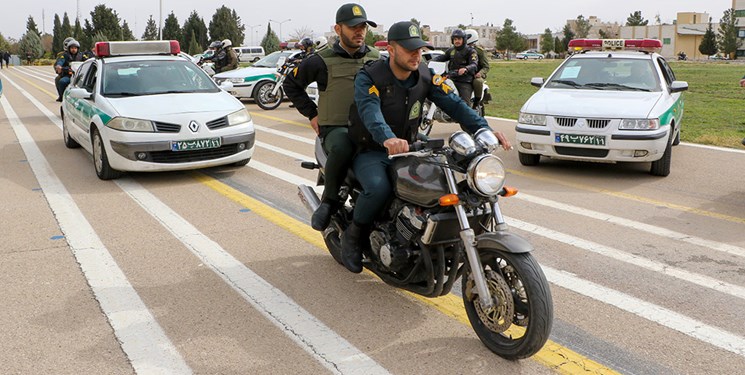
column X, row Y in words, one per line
column 463, row 62
column 62, row 66
column 472, row 36
column 226, row 58
column 321, row 43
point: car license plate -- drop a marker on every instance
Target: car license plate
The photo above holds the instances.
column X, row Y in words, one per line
column 594, row 140
column 196, row 144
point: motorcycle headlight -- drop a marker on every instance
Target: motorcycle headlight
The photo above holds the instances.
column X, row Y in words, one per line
column 486, row 139
column 462, row 143
column 239, row 117
column 131, row 124
column 486, row 175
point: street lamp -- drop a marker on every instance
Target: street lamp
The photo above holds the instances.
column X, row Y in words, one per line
column 252, row 33
column 280, row 26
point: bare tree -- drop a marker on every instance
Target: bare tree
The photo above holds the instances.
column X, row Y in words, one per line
column 303, row 32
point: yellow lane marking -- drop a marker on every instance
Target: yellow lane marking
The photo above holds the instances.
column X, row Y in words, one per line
column 616, row 194
column 33, row 84
column 632, row 197
column 258, row 114
column 553, row 355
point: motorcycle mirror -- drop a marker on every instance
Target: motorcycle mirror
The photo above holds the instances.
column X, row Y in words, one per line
column 439, row 67
column 281, row 61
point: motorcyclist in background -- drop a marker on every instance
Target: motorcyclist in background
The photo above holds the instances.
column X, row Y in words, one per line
column 225, row 59
column 464, row 61
column 321, row 43
column 62, row 66
column 472, row 36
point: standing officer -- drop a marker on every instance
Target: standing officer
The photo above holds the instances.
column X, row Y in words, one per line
column 62, row 66
column 472, row 36
column 385, row 92
column 333, row 69
column 462, row 59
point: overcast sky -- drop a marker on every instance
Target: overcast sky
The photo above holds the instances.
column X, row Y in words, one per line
column 529, row 17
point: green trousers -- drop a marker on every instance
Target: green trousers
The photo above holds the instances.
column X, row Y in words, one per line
column 340, row 151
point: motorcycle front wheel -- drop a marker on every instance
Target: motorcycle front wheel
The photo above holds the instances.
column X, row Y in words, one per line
column 519, row 323
column 264, row 98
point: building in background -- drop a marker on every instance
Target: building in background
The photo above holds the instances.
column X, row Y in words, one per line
column 739, row 7
column 684, row 35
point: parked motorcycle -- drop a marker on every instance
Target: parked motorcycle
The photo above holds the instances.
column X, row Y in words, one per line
column 270, row 93
column 444, row 223
column 433, row 113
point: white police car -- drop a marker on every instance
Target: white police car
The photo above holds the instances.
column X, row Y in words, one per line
column 613, row 100
column 139, row 106
column 248, row 82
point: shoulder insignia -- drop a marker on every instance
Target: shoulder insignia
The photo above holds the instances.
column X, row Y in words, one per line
column 294, row 72
column 437, row 80
column 445, row 88
column 374, row 90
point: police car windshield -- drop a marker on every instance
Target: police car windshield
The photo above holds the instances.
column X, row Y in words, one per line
column 606, row 73
column 153, row 77
column 271, row 60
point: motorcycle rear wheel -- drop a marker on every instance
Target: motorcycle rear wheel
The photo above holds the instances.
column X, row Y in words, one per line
column 263, row 96
column 332, row 238
column 531, row 306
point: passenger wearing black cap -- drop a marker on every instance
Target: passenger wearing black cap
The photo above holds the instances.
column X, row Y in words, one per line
column 464, row 61
column 333, row 69
column 388, row 96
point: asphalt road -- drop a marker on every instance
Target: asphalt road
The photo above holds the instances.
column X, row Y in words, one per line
column 218, row 271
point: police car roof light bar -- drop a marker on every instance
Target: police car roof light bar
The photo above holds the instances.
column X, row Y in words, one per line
column 643, row 45
column 155, row 47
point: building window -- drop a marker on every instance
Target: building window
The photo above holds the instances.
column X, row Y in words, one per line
column 740, row 13
column 666, row 41
column 741, row 33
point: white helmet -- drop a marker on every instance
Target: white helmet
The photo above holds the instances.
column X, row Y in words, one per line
column 226, row 43
column 472, row 36
column 320, row 42
column 67, row 40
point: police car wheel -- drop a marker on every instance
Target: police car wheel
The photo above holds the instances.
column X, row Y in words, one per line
column 676, row 141
column 100, row 160
column 662, row 167
column 529, row 159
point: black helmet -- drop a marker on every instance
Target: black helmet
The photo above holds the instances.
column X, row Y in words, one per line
column 216, row 44
column 458, row 33
column 306, row 44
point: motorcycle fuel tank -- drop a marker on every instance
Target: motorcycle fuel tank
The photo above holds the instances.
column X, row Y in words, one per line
column 418, row 181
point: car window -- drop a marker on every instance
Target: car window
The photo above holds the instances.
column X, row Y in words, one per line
column 606, row 73
column 666, row 71
column 271, row 60
column 154, row 77
column 82, row 72
column 89, row 83
column 255, row 50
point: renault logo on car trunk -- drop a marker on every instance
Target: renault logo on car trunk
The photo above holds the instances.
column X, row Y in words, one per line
column 193, row 126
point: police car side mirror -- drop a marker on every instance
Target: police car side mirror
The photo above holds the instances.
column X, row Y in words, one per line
column 80, row 93
column 678, row 86
column 536, row 81
column 226, row 85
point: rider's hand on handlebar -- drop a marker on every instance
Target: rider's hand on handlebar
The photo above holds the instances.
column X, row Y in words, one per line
column 314, row 125
column 462, row 71
column 396, row 146
column 503, row 140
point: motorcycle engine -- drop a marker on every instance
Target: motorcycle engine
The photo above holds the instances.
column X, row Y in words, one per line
column 394, row 242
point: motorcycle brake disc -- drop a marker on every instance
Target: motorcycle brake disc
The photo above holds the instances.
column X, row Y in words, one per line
column 499, row 317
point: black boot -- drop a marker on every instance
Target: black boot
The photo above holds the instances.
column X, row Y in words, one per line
column 322, row 216
column 743, row 141
column 351, row 250
column 476, row 102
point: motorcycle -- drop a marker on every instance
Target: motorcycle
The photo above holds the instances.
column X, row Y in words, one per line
column 682, row 56
column 444, row 223
column 433, row 113
column 270, row 93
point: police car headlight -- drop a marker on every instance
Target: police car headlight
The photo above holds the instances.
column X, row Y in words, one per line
column 131, row 124
column 636, row 124
column 239, row 117
column 486, row 174
column 236, row 80
column 531, row 119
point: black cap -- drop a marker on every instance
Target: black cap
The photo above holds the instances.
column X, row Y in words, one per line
column 352, row 15
column 408, row 35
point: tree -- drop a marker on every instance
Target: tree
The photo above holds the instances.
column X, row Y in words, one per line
column 31, row 26
column 226, row 24
column 303, row 32
column 194, row 47
column 636, row 19
column 371, row 38
column 29, row 47
column 86, row 36
column 151, row 30
column 508, row 39
column 46, row 43
column 728, row 40
column 172, row 29
column 559, row 46
column 582, row 27
column 66, row 30
column 547, row 41
column 57, row 37
column 127, row 33
column 106, row 21
column 99, row 37
column 270, row 42
column 78, row 34
column 568, row 36
column 194, row 25
column 708, row 44
column 4, row 43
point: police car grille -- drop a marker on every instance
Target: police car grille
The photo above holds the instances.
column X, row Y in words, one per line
column 167, row 128
column 597, row 124
column 566, row 121
column 218, row 123
column 584, row 152
column 194, row 155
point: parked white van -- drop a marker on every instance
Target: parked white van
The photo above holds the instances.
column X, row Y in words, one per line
column 249, row 53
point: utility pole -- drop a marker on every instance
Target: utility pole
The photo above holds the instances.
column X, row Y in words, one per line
column 77, row 16
column 160, row 22
column 471, row 19
column 43, row 22
column 280, row 27
column 252, row 32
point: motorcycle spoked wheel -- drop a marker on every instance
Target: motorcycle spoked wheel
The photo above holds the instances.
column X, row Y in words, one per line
column 264, row 98
column 426, row 126
column 519, row 327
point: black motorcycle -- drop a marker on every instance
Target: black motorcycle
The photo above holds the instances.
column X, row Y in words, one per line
column 444, row 222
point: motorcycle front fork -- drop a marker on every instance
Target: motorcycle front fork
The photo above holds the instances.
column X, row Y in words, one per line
column 468, row 237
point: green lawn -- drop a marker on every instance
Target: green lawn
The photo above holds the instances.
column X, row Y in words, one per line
column 714, row 103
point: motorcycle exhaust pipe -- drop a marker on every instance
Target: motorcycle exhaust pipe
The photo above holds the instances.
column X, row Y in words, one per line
column 309, row 198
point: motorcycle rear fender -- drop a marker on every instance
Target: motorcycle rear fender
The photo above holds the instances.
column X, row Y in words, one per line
column 504, row 241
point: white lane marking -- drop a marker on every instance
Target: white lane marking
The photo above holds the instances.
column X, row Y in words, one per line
column 331, row 350
column 668, row 318
column 34, row 75
column 282, row 151
column 40, row 72
column 143, row 341
column 659, row 231
column 708, row 147
column 328, row 348
column 284, row 134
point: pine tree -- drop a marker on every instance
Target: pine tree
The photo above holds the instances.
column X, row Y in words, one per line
column 106, row 21
column 66, row 30
column 194, row 25
column 708, row 44
column 31, row 26
column 636, row 19
column 270, row 42
column 582, row 27
column 547, row 41
column 57, row 37
column 568, row 36
column 171, row 28
column 127, row 33
column 29, row 47
column 558, row 45
column 226, row 24
column 151, row 30
column 194, row 47
column 728, row 40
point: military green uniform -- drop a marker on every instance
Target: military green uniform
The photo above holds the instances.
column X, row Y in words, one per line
column 478, row 82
